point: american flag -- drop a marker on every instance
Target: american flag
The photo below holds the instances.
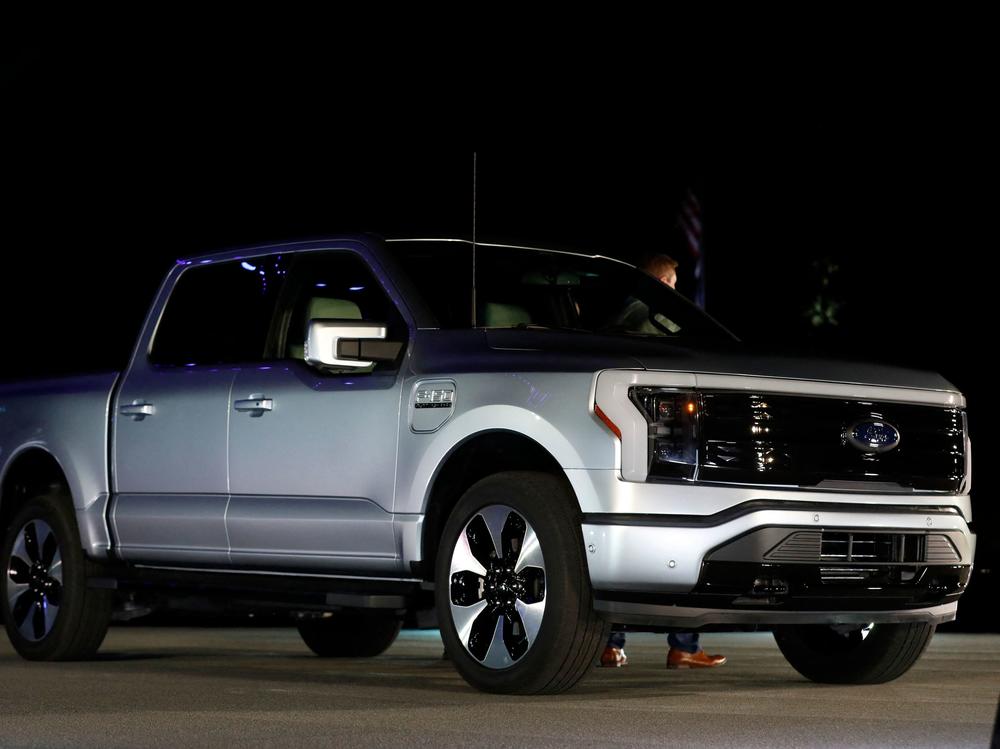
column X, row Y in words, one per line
column 690, row 223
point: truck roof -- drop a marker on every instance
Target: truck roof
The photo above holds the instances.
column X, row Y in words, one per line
column 368, row 240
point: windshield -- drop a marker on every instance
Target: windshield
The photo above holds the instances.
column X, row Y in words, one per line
column 535, row 289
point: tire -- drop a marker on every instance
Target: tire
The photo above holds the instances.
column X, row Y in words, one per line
column 866, row 655
column 360, row 634
column 48, row 610
column 523, row 624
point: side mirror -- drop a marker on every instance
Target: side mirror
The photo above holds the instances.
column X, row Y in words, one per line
column 343, row 343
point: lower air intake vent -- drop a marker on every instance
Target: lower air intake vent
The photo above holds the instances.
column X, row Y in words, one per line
column 798, row 547
column 940, row 550
column 861, row 547
column 836, row 547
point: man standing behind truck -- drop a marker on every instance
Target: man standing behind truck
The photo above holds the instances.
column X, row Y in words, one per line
column 685, row 650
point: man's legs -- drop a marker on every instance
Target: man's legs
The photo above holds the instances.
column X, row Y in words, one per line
column 614, row 652
column 686, row 652
column 686, row 641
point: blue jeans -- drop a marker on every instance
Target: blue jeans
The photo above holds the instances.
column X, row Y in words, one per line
column 686, row 641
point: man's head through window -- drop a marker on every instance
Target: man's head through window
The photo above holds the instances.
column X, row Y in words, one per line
column 661, row 267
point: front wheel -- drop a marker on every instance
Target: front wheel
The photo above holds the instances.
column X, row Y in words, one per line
column 512, row 587
column 49, row 612
column 862, row 654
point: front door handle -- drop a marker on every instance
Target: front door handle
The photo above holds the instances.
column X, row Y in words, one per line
column 254, row 405
column 138, row 411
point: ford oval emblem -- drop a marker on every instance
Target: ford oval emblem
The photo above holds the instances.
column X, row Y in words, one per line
column 873, row 436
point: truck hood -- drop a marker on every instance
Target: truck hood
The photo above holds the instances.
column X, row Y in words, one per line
column 795, row 367
column 735, row 359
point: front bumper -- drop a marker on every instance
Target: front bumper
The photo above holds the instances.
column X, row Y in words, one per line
column 639, row 614
column 682, row 571
column 766, row 593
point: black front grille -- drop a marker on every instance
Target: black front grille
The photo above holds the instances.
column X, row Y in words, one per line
column 805, row 441
column 870, row 547
column 864, row 547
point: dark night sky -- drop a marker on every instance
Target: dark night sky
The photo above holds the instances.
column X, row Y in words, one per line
column 103, row 188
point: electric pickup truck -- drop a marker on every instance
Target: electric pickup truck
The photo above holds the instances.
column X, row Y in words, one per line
column 347, row 430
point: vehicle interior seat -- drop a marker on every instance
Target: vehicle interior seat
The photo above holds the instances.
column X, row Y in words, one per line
column 496, row 315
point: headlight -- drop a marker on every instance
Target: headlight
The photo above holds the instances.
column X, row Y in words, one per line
column 672, row 416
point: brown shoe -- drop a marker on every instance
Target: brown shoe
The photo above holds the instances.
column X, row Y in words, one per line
column 681, row 659
column 613, row 657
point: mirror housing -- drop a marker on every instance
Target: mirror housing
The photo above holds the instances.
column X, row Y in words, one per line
column 324, row 338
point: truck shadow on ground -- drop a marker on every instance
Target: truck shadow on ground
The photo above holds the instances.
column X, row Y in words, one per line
column 418, row 675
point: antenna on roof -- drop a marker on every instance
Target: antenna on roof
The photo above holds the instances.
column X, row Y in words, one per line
column 473, row 239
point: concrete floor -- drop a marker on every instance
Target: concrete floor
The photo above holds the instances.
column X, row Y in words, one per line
column 261, row 687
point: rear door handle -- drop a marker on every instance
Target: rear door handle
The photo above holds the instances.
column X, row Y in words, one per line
column 138, row 411
column 255, row 406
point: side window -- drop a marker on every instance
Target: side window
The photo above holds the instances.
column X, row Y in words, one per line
column 442, row 274
column 522, row 288
column 219, row 313
column 334, row 285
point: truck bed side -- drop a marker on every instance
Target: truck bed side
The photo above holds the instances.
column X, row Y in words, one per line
column 68, row 418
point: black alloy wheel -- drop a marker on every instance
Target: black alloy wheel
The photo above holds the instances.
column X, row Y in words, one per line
column 48, row 609
column 513, row 590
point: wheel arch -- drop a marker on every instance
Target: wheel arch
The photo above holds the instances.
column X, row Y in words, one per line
column 477, row 456
column 31, row 471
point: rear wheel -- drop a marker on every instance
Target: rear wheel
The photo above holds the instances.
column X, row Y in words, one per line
column 48, row 610
column 865, row 654
column 513, row 592
column 351, row 634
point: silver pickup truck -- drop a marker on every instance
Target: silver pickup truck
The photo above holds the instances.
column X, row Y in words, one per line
column 348, row 429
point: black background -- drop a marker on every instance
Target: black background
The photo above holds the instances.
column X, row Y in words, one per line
column 117, row 162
